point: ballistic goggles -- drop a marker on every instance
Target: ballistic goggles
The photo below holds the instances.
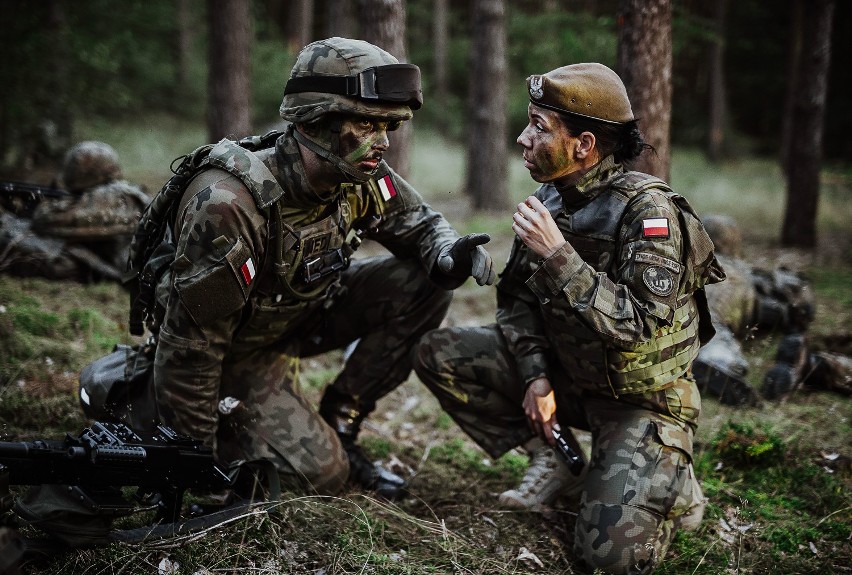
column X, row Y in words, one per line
column 392, row 84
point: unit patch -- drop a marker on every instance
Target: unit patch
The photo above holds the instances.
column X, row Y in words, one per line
column 659, row 280
column 654, row 259
column 655, row 228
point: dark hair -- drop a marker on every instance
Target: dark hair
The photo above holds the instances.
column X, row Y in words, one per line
column 624, row 141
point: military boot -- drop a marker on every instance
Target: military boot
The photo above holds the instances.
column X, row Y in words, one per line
column 546, row 478
column 345, row 414
column 790, row 368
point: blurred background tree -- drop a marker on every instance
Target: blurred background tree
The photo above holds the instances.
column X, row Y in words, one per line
column 68, row 62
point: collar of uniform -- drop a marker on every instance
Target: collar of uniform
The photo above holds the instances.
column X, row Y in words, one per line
column 591, row 184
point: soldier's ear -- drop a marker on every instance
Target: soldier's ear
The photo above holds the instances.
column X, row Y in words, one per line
column 584, row 145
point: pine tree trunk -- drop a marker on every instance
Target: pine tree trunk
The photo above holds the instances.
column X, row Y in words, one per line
column 645, row 66
column 383, row 24
column 229, row 85
column 487, row 150
column 811, row 92
column 718, row 104
column 340, row 18
column 794, row 55
column 440, row 49
column 185, row 41
column 300, row 23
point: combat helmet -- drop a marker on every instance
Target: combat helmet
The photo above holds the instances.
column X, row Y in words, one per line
column 90, row 164
column 353, row 77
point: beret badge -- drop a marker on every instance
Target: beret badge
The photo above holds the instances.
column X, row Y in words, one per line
column 536, row 83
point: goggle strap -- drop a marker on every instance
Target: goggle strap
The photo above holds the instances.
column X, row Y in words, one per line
column 394, row 83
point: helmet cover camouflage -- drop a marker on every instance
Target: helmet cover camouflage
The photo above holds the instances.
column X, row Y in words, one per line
column 590, row 90
column 90, row 164
column 367, row 67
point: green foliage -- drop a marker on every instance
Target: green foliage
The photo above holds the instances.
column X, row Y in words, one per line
column 270, row 69
column 741, row 444
column 467, row 459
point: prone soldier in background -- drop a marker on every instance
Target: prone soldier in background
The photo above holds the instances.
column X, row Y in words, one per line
column 755, row 301
column 255, row 271
column 600, row 314
column 82, row 234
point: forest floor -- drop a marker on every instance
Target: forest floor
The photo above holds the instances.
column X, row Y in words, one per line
column 778, row 475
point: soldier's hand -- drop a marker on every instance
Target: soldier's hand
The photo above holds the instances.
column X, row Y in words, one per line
column 534, row 225
column 540, row 408
column 467, row 256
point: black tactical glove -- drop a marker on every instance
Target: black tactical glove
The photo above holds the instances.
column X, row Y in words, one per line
column 468, row 257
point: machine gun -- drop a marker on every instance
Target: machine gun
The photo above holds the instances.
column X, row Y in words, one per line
column 107, row 456
column 21, row 198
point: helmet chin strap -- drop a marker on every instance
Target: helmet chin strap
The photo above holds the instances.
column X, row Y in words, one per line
column 348, row 170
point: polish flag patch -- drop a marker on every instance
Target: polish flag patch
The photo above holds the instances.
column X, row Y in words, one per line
column 248, row 271
column 386, row 187
column 655, row 228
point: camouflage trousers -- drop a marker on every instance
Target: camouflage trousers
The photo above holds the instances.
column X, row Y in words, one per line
column 386, row 304
column 640, row 480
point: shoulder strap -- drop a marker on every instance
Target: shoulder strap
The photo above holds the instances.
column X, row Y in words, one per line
column 236, row 158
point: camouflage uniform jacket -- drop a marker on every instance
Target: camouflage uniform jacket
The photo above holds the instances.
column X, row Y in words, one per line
column 100, row 212
column 615, row 306
column 237, row 248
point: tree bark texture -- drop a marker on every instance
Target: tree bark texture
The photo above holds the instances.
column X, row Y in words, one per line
column 645, row 66
column 718, row 91
column 383, row 24
column 229, row 75
column 340, row 18
column 806, row 135
column 794, row 55
column 440, row 42
column 300, row 24
column 185, row 41
column 487, row 149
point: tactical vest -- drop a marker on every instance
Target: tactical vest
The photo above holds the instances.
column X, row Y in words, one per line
column 299, row 264
column 595, row 232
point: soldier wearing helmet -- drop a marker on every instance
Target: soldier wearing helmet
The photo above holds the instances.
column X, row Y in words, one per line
column 261, row 274
column 90, row 164
column 83, row 236
column 601, row 312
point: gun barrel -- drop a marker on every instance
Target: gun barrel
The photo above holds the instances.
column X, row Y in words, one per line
column 109, row 454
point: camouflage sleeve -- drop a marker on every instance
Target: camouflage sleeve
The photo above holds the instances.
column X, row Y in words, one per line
column 219, row 249
column 626, row 309
column 519, row 316
column 410, row 227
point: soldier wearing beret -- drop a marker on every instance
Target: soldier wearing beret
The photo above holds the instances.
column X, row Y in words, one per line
column 601, row 312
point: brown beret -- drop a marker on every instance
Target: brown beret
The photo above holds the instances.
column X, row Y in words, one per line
column 589, row 90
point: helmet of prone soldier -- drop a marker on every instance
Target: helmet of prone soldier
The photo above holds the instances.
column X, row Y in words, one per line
column 588, row 90
column 90, row 164
column 340, row 75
